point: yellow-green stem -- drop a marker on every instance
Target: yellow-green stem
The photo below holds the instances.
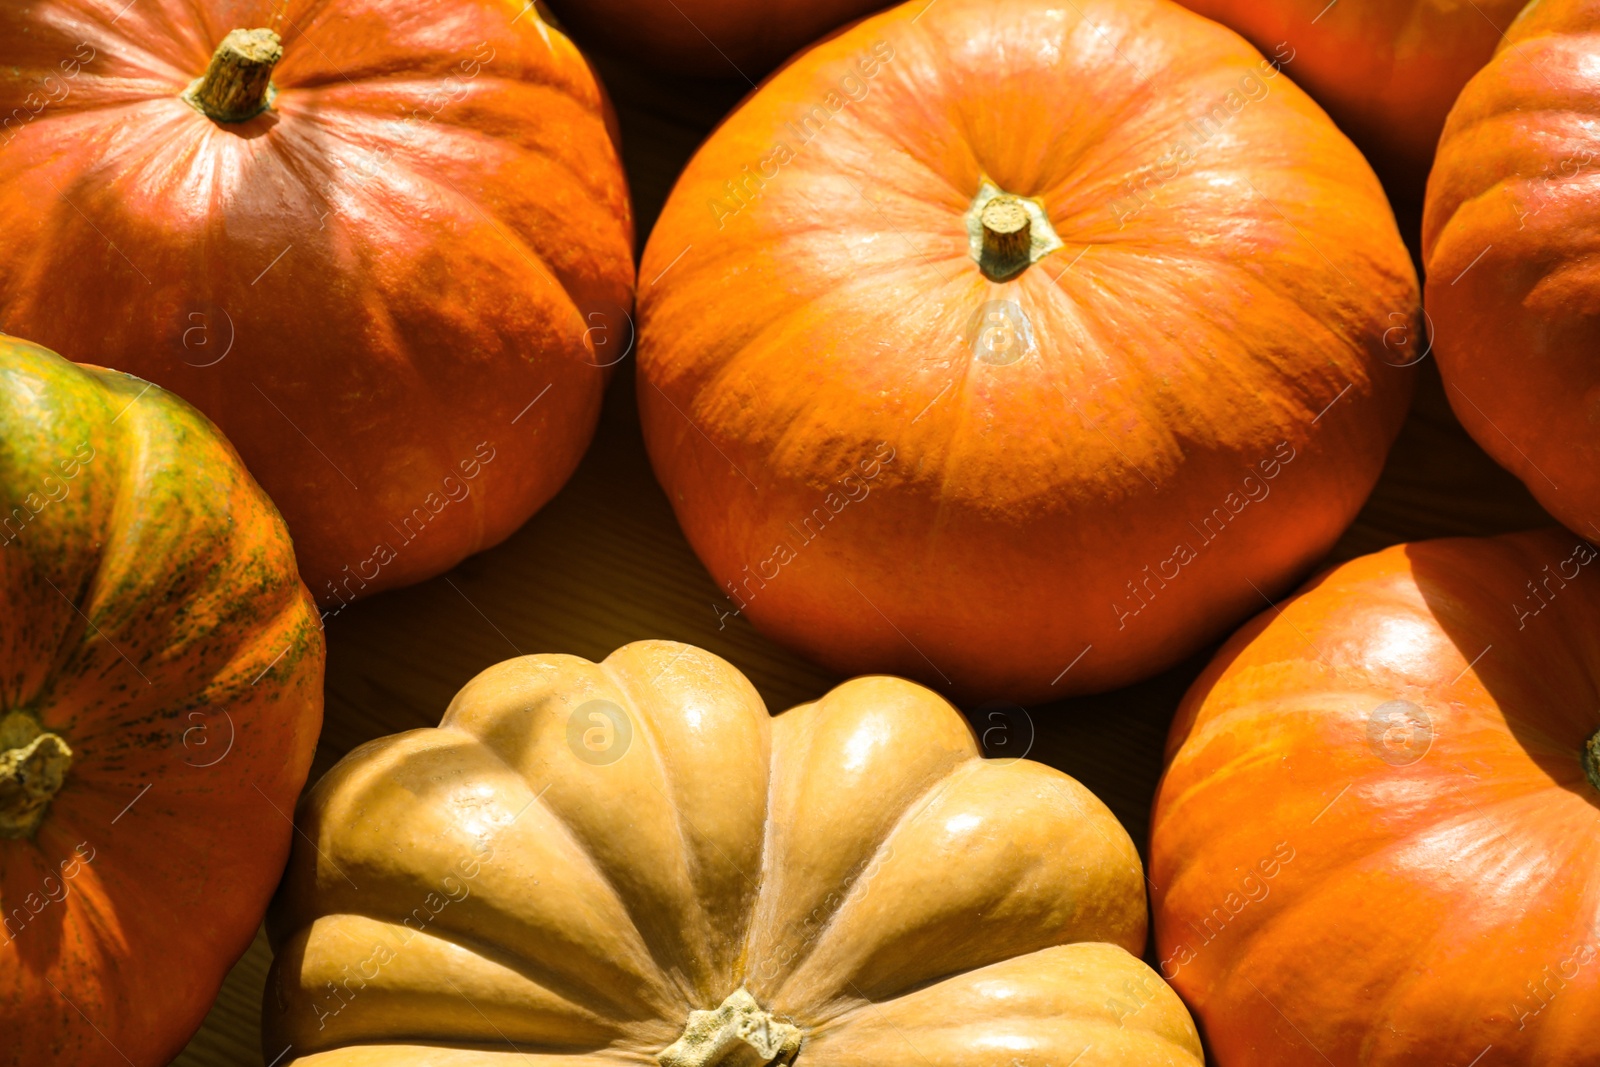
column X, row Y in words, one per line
column 738, row 1033
column 238, row 84
column 33, row 766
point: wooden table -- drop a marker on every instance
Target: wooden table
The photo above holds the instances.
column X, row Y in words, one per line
column 605, row 564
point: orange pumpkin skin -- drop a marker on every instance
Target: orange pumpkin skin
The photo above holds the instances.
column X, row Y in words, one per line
column 1386, row 70
column 1509, row 230
column 393, row 289
column 1197, row 395
column 1376, row 832
column 719, row 38
column 152, row 622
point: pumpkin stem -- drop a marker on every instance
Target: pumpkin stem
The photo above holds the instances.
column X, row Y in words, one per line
column 1007, row 232
column 1591, row 759
column 33, row 764
column 737, row 1034
column 238, row 83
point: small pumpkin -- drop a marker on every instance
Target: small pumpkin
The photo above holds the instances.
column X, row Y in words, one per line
column 630, row 862
column 1021, row 348
column 1386, row 70
column 1375, row 838
column 717, row 38
column 162, row 696
column 1508, row 232
column 385, row 246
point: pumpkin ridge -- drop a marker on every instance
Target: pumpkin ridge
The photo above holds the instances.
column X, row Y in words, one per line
column 1046, row 795
column 916, row 805
column 71, row 642
column 566, row 983
column 684, row 982
column 150, row 411
column 571, row 990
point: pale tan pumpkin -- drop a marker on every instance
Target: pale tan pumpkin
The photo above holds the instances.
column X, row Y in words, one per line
column 631, row 862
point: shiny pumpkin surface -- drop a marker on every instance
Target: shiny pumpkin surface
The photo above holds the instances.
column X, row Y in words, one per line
column 716, row 38
column 1376, row 837
column 1386, row 70
column 1509, row 235
column 582, row 854
column 1067, row 479
column 393, row 289
column 153, row 621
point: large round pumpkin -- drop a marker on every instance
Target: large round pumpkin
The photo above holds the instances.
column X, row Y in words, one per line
column 1386, row 70
column 630, row 862
column 1509, row 233
column 1376, row 839
column 384, row 244
column 162, row 694
column 1021, row 348
column 716, row 38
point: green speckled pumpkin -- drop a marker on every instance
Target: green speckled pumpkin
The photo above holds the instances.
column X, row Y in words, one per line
column 160, row 697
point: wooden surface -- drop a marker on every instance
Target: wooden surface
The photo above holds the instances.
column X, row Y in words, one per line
column 605, row 564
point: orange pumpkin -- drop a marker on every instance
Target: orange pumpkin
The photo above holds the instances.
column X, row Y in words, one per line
column 162, row 696
column 717, row 38
column 1386, row 70
column 1019, row 348
column 1376, row 835
column 631, row 862
column 385, row 246
column 1508, row 236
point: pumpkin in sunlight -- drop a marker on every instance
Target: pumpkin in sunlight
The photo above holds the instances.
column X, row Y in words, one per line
column 1386, row 70
column 162, row 696
column 385, row 246
column 1022, row 378
column 708, row 38
column 1509, row 230
column 631, row 862
column 1376, row 836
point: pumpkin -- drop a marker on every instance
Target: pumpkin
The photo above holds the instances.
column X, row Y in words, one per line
column 1508, row 229
column 631, row 862
column 1377, row 827
column 1021, row 349
column 720, row 38
column 385, row 246
column 1386, row 70
column 162, row 696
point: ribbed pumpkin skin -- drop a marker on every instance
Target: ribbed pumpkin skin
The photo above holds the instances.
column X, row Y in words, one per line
column 153, row 619
column 717, row 38
column 1328, row 877
column 982, row 523
column 1509, row 235
column 509, row 880
column 365, row 287
column 1386, row 70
